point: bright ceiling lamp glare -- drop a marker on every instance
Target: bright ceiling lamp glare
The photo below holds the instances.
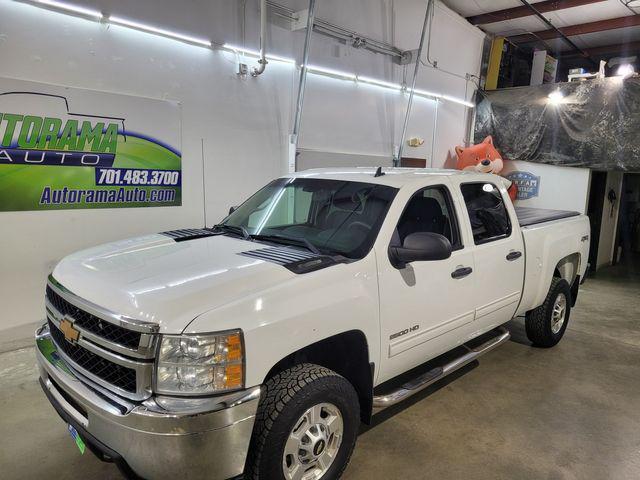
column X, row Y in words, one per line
column 255, row 53
column 555, row 98
column 625, row 70
column 159, row 31
column 67, row 7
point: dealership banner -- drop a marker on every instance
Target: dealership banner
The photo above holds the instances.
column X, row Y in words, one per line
column 64, row 148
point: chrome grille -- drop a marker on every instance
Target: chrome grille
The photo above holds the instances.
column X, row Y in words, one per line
column 112, row 373
column 112, row 351
column 93, row 324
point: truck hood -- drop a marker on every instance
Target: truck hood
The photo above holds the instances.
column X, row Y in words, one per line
column 155, row 279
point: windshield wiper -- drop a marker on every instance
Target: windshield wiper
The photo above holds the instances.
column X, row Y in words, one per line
column 300, row 241
column 233, row 229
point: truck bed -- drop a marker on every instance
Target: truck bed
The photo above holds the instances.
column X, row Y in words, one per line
column 532, row 216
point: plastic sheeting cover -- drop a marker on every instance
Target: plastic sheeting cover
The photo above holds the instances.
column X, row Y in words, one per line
column 596, row 125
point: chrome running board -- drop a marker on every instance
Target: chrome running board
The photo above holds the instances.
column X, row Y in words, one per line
column 421, row 382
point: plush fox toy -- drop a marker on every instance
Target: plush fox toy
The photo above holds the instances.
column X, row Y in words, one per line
column 483, row 158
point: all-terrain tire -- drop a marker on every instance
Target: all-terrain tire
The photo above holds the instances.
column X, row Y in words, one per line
column 539, row 322
column 284, row 399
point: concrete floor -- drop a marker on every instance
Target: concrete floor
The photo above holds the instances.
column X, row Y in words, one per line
column 571, row 412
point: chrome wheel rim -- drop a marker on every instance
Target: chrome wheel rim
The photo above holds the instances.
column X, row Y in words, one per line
column 313, row 443
column 559, row 313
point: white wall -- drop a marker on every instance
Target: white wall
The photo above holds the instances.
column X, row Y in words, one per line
column 561, row 188
column 237, row 128
column 608, row 227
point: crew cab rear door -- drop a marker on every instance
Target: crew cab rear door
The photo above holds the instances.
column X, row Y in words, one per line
column 498, row 248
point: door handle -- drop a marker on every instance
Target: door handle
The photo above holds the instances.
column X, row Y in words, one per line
column 461, row 272
column 511, row 256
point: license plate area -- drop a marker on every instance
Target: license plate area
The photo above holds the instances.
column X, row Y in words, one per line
column 77, row 438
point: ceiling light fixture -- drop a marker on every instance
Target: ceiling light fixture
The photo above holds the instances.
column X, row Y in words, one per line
column 67, row 7
column 330, row 72
column 380, row 83
column 159, row 31
column 459, row 101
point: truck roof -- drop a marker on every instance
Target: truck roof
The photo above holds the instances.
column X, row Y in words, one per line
column 393, row 176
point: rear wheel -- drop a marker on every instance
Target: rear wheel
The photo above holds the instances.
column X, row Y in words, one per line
column 306, row 426
column 546, row 324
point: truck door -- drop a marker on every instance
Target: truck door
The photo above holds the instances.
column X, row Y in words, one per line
column 422, row 304
column 498, row 251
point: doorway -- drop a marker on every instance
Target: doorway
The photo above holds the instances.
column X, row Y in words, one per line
column 594, row 211
column 627, row 246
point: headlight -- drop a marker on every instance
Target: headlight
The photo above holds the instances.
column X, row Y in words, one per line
column 200, row 364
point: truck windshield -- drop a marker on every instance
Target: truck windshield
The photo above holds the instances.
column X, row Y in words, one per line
column 330, row 216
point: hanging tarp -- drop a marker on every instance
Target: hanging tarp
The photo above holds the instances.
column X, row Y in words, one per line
column 595, row 125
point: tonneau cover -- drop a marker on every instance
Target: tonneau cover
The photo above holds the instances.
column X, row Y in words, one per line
column 531, row 216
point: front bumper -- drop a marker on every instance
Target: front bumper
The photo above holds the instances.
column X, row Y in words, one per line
column 162, row 437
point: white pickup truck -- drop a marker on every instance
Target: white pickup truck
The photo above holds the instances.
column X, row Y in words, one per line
column 257, row 346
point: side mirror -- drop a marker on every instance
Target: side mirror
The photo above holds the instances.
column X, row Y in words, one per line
column 232, row 209
column 420, row 247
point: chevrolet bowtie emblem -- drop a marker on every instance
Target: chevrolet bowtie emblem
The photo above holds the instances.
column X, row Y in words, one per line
column 70, row 333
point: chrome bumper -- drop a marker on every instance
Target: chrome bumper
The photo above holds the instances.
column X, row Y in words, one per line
column 161, row 437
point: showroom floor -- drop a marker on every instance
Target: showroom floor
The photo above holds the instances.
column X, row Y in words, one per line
column 566, row 413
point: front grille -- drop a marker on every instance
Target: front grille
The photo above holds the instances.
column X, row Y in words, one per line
column 117, row 375
column 102, row 328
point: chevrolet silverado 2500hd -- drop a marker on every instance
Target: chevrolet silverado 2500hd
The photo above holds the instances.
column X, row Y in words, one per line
column 257, row 346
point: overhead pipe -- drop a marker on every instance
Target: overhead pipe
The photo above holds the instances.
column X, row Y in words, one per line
column 398, row 157
column 340, row 33
column 263, row 40
column 302, row 83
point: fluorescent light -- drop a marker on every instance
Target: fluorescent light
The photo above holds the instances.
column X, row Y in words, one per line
column 71, row 8
column 380, row 83
column 248, row 51
column 424, row 93
column 625, row 70
column 255, row 53
column 160, row 31
column 457, row 100
column 556, row 97
column 448, row 98
column 280, row 59
column 330, row 71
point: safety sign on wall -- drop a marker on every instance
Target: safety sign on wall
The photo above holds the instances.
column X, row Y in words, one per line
column 64, row 148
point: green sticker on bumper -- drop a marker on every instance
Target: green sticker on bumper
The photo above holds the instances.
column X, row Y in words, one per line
column 76, row 437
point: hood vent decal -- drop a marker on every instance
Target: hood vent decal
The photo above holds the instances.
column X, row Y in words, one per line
column 297, row 261
column 188, row 234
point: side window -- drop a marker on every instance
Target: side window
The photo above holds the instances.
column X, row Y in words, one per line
column 430, row 210
column 488, row 215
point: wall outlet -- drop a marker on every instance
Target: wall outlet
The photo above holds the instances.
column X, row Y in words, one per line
column 243, row 69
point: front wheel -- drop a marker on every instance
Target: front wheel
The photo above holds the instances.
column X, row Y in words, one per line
column 306, row 426
column 546, row 324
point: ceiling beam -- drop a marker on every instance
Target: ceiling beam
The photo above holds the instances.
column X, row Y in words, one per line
column 608, row 50
column 519, row 12
column 591, row 27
